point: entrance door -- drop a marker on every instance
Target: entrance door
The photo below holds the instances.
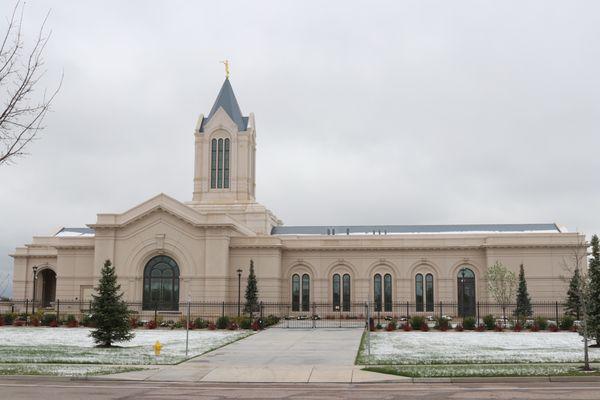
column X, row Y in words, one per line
column 48, row 287
column 466, row 292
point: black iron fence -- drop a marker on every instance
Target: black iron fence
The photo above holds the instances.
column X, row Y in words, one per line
column 313, row 315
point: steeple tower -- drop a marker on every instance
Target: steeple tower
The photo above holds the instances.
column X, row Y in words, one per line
column 225, row 153
column 224, row 167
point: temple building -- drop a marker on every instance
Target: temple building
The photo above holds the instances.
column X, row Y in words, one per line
column 165, row 250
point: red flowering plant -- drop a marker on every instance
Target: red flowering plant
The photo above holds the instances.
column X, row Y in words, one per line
column 459, row 328
column 480, row 328
column 424, row 327
column 151, row 324
column 517, row 327
column 553, row 328
column 212, row 326
column 406, row 327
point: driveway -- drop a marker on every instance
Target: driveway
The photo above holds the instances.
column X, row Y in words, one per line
column 275, row 355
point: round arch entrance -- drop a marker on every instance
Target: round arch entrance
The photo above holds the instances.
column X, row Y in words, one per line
column 161, row 284
column 466, row 292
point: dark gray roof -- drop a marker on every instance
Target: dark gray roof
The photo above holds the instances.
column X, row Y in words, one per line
column 398, row 229
column 226, row 99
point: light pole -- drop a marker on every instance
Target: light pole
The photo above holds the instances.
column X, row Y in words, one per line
column 239, row 272
column 35, row 268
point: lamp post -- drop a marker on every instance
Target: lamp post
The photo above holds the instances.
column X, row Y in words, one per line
column 239, row 272
column 35, row 268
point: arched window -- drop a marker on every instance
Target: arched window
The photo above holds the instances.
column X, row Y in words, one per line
column 387, row 293
column 346, row 291
column 419, row 292
column 295, row 292
column 428, row 292
column 377, row 291
column 305, row 292
column 219, row 164
column 466, row 292
column 161, row 284
column 336, row 292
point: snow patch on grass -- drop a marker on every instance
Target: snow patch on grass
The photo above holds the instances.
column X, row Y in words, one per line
column 74, row 345
column 475, row 347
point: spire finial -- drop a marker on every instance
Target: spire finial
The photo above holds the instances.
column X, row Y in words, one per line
column 226, row 62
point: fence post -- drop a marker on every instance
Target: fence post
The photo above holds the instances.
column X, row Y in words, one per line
column 441, row 310
column 27, row 312
column 477, row 323
column 261, row 310
column 314, row 314
column 287, row 321
column 556, row 313
column 57, row 310
column 407, row 312
column 223, row 310
column 368, row 327
column 156, row 313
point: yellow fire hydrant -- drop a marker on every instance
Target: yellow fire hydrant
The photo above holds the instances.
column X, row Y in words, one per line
column 157, row 346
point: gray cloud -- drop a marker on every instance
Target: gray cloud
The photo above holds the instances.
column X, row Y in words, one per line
column 367, row 112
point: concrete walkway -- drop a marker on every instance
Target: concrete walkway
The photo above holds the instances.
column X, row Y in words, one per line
column 275, row 355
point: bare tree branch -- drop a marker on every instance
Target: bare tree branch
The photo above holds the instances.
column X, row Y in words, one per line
column 21, row 116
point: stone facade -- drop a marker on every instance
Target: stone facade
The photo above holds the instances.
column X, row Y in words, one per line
column 223, row 228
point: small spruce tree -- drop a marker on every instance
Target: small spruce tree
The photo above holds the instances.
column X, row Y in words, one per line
column 109, row 312
column 251, row 291
column 523, row 309
column 573, row 302
column 593, row 295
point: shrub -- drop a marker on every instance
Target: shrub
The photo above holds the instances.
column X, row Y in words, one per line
column 133, row 321
column 272, row 320
column 223, row 322
column 48, row 318
column 480, row 328
column 517, row 327
column 441, row 323
column 87, row 320
column 256, row 326
column 391, row 326
column 498, row 328
column 212, row 326
column 18, row 322
column 489, row 321
column 200, row 323
column 151, row 324
column 9, row 318
column 469, row 323
column 459, row 328
column 406, row 327
column 534, row 328
column 417, row 321
column 553, row 328
column 567, row 322
column 178, row 325
column 245, row 322
column 378, row 326
column 53, row 323
column 34, row 321
column 71, row 321
column 232, row 326
column 424, row 327
column 541, row 323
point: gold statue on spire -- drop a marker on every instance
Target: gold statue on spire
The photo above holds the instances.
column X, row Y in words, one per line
column 226, row 62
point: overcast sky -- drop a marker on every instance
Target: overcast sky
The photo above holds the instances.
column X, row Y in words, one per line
column 400, row 112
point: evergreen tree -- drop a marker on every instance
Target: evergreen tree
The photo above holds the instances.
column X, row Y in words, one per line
column 573, row 303
column 523, row 309
column 593, row 295
column 109, row 312
column 251, row 291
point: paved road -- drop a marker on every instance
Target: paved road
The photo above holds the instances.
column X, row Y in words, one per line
column 62, row 389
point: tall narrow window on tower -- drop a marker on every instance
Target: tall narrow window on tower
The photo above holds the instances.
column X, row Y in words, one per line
column 213, row 164
column 219, row 164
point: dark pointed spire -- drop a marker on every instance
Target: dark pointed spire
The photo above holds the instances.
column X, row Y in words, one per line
column 226, row 100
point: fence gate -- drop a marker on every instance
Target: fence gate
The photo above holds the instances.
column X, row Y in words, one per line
column 319, row 315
